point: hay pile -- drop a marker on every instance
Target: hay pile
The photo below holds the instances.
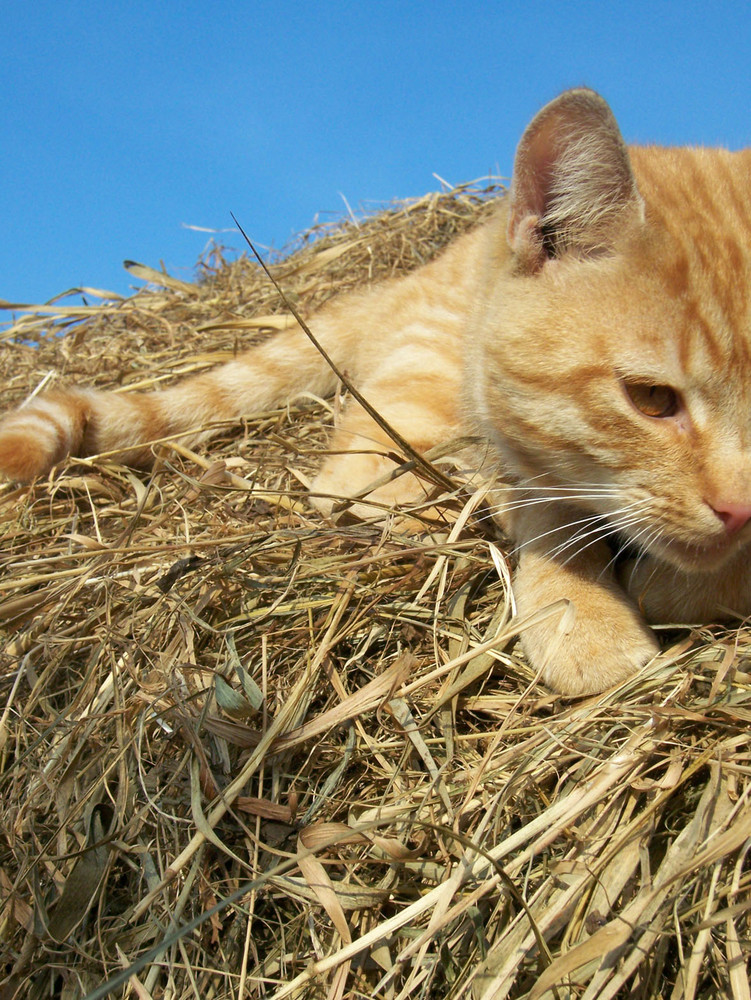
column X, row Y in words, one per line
column 249, row 751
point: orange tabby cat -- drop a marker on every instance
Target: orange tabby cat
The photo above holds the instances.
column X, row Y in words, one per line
column 596, row 332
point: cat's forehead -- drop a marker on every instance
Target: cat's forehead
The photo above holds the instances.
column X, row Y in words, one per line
column 698, row 211
column 701, row 198
column 684, row 177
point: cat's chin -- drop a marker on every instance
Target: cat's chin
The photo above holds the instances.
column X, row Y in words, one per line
column 692, row 558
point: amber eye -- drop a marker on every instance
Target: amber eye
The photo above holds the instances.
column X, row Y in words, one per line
column 653, row 400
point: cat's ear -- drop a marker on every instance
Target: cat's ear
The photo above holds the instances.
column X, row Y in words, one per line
column 572, row 182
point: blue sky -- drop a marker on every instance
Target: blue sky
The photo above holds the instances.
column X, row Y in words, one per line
column 125, row 122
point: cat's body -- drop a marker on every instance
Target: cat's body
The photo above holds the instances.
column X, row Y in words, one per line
column 596, row 332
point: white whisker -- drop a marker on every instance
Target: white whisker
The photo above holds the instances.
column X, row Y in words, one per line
column 601, row 532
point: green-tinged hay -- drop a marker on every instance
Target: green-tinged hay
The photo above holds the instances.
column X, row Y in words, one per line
column 251, row 751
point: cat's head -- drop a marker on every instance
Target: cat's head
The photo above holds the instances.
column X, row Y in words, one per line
column 612, row 356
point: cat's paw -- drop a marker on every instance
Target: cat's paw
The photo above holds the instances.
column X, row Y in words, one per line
column 596, row 639
column 344, row 476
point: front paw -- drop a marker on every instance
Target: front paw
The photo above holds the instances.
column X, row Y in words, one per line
column 598, row 639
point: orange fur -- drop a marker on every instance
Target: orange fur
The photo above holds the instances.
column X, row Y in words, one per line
column 596, row 332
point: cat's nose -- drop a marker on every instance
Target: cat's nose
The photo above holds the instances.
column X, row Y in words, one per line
column 733, row 515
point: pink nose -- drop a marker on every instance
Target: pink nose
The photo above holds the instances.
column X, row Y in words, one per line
column 733, row 515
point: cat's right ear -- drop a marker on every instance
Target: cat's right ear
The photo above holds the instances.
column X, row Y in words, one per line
column 572, row 182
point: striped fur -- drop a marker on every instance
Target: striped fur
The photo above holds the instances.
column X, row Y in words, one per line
column 596, row 331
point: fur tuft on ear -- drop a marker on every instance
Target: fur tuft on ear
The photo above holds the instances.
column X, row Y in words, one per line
column 572, row 181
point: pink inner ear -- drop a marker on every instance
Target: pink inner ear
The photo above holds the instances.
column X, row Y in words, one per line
column 572, row 175
column 535, row 169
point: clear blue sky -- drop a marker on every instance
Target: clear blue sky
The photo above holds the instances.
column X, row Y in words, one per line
column 123, row 122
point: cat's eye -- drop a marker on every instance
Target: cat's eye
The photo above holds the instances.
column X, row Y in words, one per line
column 657, row 401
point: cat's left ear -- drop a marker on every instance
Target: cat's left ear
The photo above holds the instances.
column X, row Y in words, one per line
column 573, row 185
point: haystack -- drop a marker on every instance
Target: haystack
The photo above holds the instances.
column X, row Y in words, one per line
column 249, row 750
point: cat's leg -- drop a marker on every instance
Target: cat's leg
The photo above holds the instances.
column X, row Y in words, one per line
column 598, row 638
column 362, row 453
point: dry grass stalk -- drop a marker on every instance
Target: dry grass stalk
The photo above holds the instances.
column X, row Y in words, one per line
column 248, row 751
